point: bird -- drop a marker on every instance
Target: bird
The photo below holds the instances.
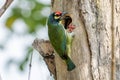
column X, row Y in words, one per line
column 58, row 37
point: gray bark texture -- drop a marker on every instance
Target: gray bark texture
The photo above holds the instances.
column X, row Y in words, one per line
column 96, row 46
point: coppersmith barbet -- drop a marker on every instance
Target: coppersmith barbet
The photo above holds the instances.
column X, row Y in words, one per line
column 58, row 37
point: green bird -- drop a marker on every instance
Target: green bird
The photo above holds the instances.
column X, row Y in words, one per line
column 58, row 37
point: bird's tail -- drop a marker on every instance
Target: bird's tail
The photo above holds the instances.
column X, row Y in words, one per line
column 70, row 64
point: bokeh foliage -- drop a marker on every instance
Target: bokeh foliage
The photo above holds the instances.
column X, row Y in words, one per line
column 30, row 12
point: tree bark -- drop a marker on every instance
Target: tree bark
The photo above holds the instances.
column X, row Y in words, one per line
column 96, row 46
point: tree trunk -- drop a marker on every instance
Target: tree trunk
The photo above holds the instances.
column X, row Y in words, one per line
column 96, row 46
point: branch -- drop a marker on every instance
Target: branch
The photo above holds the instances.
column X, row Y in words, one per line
column 5, row 6
column 30, row 65
column 46, row 50
column 0, row 77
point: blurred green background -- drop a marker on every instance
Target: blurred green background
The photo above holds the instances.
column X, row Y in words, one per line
column 30, row 12
column 24, row 19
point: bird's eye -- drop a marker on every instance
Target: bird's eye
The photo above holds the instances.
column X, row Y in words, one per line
column 57, row 15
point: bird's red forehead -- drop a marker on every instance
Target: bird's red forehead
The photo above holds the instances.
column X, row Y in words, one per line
column 58, row 12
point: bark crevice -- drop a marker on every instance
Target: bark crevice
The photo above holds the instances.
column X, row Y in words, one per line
column 113, row 44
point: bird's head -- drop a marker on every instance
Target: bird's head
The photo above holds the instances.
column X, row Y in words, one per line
column 59, row 15
column 63, row 18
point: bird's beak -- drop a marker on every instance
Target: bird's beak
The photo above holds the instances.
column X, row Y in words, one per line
column 64, row 14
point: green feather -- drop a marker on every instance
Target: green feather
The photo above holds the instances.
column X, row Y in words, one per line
column 58, row 39
column 70, row 64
